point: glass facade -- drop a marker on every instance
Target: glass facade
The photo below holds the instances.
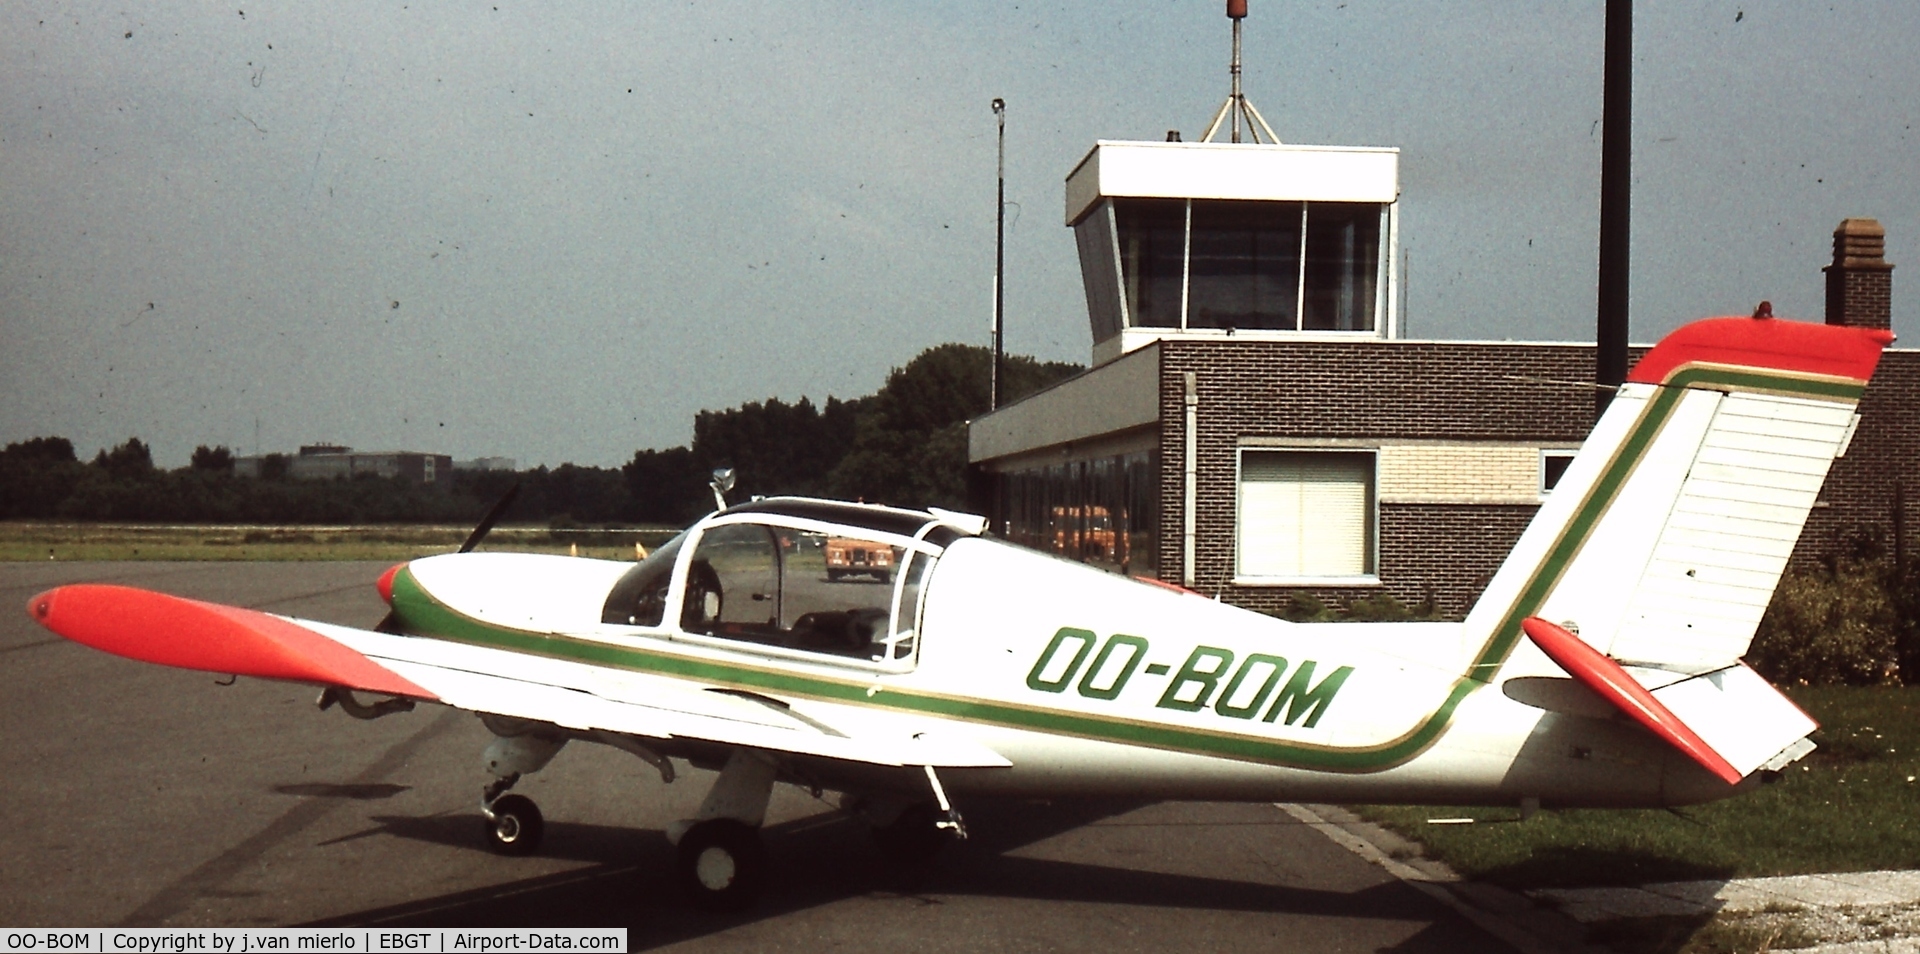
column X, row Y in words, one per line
column 1153, row 248
column 1101, row 510
column 1094, row 236
column 1342, row 267
column 1233, row 264
column 1246, row 265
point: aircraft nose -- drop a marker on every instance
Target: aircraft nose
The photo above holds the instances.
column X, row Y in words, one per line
column 385, row 583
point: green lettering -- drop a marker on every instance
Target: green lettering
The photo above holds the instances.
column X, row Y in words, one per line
column 1226, row 707
column 1299, row 699
column 1191, row 674
column 1139, row 652
column 1036, row 678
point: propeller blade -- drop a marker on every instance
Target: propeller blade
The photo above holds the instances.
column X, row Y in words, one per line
column 492, row 517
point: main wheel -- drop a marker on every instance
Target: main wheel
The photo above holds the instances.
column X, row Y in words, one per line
column 516, row 826
column 721, row 864
column 913, row 837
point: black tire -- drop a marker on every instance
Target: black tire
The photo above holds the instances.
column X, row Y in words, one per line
column 516, row 826
column 833, row 576
column 721, row 864
column 912, row 838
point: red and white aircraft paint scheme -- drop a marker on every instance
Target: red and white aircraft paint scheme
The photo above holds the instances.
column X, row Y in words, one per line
column 1599, row 668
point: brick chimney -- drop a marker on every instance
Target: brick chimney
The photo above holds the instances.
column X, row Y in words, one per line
column 1860, row 281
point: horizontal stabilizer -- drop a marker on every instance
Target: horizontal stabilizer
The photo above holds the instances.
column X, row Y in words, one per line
column 1746, row 720
column 1612, row 683
column 174, row 631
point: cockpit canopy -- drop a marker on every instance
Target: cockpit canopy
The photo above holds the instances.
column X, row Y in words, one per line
column 812, row 577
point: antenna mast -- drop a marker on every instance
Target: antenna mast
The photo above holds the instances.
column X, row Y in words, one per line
column 1236, row 105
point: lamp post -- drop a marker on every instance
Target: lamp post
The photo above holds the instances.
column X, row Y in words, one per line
column 999, row 256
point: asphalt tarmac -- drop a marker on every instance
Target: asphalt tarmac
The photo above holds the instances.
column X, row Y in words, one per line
column 142, row 796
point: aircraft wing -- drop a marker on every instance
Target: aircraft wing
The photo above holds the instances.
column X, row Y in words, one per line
column 190, row 634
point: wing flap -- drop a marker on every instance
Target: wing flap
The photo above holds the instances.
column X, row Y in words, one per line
column 581, row 710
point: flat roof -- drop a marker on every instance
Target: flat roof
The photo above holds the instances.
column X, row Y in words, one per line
column 1257, row 171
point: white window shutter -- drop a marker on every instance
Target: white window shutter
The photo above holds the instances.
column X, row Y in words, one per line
column 1304, row 514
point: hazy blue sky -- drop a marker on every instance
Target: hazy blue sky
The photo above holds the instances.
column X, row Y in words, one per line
column 554, row 231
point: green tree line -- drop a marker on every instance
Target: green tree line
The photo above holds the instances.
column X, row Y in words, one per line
column 904, row 444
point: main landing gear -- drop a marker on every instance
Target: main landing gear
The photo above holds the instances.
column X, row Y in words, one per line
column 514, row 825
column 719, row 861
column 513, row 822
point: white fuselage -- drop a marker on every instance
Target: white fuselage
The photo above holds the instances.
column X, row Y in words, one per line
column 1094, row 684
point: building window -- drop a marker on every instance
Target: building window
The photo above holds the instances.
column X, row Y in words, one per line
column 1100, row 271
column 1553, row 463
column 1233, row 264
column 1153, row 250
column 1342, row 266
column 1305, row 515
column 1102, row 510
column 1246, row 265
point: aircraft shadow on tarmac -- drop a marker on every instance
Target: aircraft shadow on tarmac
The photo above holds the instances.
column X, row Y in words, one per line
column 827, row 858
column 361, row 793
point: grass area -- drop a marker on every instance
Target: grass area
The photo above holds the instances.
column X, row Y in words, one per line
column 1704, row 934
column 1850, row 806
column 82, row 541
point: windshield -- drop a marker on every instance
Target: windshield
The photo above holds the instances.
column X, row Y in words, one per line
column 816, row 591
column 640, row 598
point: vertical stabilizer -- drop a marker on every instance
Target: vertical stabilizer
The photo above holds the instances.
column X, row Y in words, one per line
column 1662, row 544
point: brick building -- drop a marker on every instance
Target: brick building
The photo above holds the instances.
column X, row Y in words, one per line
column 1299, row 446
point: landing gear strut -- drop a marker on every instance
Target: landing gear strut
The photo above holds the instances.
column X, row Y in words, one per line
column 520, row 747
column 513, row 822
column 918, row 831
column 721, row 864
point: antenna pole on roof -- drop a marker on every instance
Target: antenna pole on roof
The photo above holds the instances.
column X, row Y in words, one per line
column 1236, row 108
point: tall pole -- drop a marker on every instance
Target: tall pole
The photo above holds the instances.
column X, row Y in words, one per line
column 1616, row 159
column 1237, row 11
column 999, row 255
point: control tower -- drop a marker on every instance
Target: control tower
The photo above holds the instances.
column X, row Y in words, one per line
column 1234, row 239
column 1259, row 239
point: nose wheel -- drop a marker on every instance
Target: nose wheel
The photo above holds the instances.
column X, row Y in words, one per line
column 514, row 825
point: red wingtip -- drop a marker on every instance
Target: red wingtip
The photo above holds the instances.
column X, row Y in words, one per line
column 1612, row 683
column 172, row 631
column 385, row 583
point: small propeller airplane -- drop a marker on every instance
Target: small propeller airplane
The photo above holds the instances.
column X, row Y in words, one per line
column 1600, row 667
